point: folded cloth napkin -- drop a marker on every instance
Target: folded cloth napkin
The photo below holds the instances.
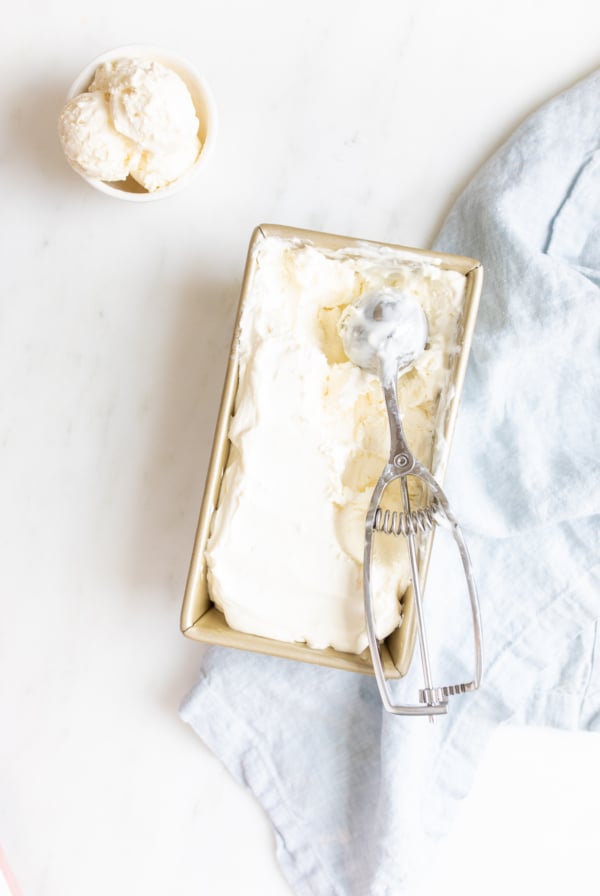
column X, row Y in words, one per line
column 357, row 797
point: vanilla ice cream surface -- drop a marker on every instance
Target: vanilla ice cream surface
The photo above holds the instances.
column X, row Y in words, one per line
column 136, row 118
column 309, row 439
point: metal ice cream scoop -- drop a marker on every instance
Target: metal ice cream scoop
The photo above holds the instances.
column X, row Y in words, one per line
column 385, row 332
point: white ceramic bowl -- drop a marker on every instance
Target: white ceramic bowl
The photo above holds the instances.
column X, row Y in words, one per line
column 205, row 109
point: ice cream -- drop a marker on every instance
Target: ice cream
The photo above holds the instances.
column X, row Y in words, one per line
column 136, row 118
column 90, row 142
column 309, row 438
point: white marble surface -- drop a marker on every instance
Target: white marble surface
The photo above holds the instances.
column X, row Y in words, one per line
column 357, row 118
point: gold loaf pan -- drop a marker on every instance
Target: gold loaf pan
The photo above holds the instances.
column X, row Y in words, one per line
column 200, row 619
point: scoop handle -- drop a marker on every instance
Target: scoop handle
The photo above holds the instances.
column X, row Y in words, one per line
column 431, row 707
column 401, row 463
column 402, row 459
column 434, row 700
column 401, row 456
column 446, row 518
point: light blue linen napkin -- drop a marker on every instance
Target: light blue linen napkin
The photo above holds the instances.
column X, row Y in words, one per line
column 357, row 797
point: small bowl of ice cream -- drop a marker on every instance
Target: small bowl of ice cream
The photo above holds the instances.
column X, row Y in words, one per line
column 139, row 123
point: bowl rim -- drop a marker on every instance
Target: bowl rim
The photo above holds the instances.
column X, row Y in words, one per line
column 182, row 67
